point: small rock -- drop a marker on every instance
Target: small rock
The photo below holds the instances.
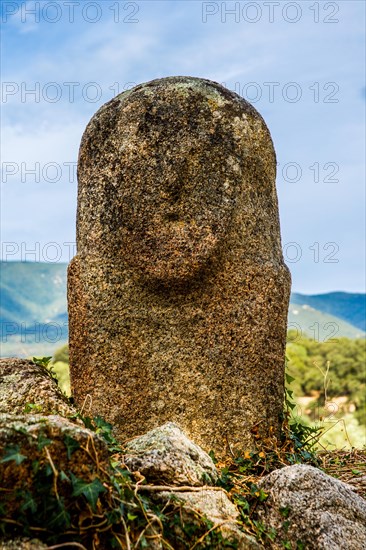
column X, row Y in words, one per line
column 307, row 506
column 22, row 544
column 216, row 507
column 214, row 504
column 28, row 388
column 166, row 456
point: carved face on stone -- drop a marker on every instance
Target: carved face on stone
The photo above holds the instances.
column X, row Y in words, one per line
column 168, row 172
column 177, row 178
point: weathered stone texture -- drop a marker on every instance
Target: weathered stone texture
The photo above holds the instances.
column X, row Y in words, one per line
column 27, row 387
column 217, row 508
column 166, row 455
column 178, row 294
column 309, row 508
column 22, row 544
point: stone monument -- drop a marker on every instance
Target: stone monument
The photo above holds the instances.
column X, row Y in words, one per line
column 178, row 294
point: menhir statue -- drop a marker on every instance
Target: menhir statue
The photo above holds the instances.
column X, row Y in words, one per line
column 178, row 294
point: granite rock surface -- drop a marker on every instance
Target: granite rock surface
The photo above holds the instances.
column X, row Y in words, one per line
column 178, row 294
column 218, row 509
column 27, row 387
column 307, row 506
column 22, row 543
column 165, row 455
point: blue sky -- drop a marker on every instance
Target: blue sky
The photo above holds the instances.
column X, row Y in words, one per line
column 301, row 64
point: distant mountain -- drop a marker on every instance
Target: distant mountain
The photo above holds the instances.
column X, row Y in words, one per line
column 32, row 292
column 346, row 306
column 33, row 310
column 319, row 325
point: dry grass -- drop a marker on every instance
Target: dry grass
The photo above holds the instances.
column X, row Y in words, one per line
column 348, row 466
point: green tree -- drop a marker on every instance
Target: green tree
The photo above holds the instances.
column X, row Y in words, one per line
column 61, row 355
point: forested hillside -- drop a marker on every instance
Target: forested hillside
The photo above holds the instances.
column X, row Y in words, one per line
column 33, row 310
column 349, row 307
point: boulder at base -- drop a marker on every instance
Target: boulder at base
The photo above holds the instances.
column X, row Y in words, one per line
column 215, row 505
column 166, row 456
column 312, row 510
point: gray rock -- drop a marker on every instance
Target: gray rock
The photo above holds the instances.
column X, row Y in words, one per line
column 22, row 544
column 307, row 505
column 178, row 294
column 165, row 455
column 28, row 388
column 216, row 507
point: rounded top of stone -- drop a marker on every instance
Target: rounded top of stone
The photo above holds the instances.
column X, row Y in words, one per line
column 184, row 84
column 168, row 171
column 173, row 89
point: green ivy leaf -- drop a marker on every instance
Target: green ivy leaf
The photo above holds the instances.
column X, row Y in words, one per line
column 88, row 422
column 285, row 511
column 29, row 503
column 212, row 456
column 13, row 453
column 114, row 516
column 42, row 361
column 61, row 518
column 262, row 495
column 105, row 429
column 272, row 533
column 91, row 490
column 43, row 441
column 289, row 378
column 102, row 424
column 32, row 408
column 71, row 445
column 242, row 503
column 64, row 477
